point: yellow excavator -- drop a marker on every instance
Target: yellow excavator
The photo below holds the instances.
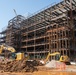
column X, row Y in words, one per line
column 12, row 52
column 8, row 48
column 58, row 57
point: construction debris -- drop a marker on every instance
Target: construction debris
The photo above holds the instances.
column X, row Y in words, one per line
column 19, row 66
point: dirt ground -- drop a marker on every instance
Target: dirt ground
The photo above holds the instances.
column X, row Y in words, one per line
column 40, row 73
column 19, row 68
column 45, row 71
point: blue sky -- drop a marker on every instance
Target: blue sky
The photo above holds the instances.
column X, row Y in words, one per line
column 22, row 7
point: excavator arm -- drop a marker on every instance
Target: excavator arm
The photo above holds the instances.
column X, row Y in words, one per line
column 50, row 54
column 8, row 48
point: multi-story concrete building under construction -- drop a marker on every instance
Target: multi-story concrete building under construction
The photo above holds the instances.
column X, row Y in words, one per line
column 52, row 29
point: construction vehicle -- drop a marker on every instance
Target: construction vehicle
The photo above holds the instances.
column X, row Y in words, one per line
column 8, row 48
column 11, row 52
column 58, row 57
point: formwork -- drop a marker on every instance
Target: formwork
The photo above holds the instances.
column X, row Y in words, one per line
column 52, row 29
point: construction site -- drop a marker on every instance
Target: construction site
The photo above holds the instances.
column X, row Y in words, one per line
column 50, row 30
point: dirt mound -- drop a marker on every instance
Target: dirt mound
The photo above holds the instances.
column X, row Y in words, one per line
column 54, row 64
column 20, row 66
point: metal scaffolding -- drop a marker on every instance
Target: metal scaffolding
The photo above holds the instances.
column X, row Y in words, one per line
column 49, row 30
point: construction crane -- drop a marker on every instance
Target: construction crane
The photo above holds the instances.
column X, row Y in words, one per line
column 15, row 12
